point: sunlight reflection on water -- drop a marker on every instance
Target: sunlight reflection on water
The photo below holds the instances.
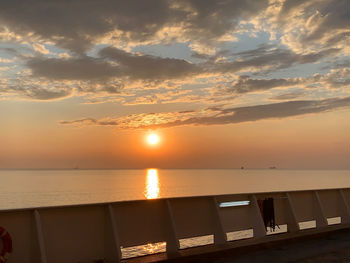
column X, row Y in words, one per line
column 152, row 184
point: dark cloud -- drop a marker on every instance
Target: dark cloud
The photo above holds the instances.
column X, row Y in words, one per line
column 325, row 21
column 223, row 116
column 246, row 84
column 83, row 68
column 112, row 89
column 336, row 16
column 38, row 93
column 149, row 67
column 261, row 112
column 90, row 121
column 337, row 78
column 85, row 120
column 289, row 6
column 116, row 63
column 76, row 24
column 45, row 94
column 340, row 64
column 10, row 50
column 112, row 63
column 211, row 19
column 271, row 58
column 289, row 95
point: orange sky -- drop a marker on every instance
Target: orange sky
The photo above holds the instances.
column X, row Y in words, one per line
column 297, row 142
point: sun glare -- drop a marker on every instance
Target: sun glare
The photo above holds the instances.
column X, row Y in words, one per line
column 152, row 184
column 153, row 139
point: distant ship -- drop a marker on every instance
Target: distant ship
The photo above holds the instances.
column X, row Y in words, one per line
column 272, row 167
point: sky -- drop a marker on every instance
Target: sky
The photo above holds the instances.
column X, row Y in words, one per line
column 223, row 83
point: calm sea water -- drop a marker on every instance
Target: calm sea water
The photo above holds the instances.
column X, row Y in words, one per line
column 34, row 188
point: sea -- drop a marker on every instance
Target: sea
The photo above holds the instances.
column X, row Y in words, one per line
column 44, row 188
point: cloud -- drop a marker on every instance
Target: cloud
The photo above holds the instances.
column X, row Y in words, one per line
column 75, row 25
column 81, row 68
column 314, row 24
column 113, row 63
column 116, row 63
column 221, row 116
column 337, row 78
column 267, row 58
column 140, row 66
column 46, row 94
column 289, row 95
column 261, row 112
column 90, row 121
column 101, row 64
column 81, row 121
column 5, row 60
column 37, row 93
column 245, row 84
column 40, row 48
column 79, row 24
column 208, row 20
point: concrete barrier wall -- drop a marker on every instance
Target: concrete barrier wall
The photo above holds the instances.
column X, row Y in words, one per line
column 87, row 233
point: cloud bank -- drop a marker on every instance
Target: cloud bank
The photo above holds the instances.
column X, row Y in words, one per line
column 220, row 116
column 203, row 54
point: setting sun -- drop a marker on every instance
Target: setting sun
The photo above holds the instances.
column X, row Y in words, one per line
column 153, row 139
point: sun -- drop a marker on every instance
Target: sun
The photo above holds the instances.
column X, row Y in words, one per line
column 153, row 139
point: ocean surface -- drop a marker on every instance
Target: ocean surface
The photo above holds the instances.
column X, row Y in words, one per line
column 36, row 188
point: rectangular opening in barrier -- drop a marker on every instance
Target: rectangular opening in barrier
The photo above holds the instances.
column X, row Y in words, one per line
column 334, row 220
column 196, row 241
column 234, row 203
column 238, row 235
column 307, row 224
column 279, row 229
column 147, row 249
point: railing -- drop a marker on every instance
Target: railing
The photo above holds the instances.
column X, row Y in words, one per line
column 87, row 233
